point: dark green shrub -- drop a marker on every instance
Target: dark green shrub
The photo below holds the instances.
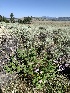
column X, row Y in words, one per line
column 20, row 21
column 27, row 20
column 12, row 18
column 0, row 18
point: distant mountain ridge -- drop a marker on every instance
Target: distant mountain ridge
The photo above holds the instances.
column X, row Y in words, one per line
column 57, row 18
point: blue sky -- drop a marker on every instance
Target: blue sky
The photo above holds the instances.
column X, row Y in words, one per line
column 21, row 8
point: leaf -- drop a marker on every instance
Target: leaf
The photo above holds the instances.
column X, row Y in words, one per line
column 14, row 67
column 34, row 81
column 19, row 68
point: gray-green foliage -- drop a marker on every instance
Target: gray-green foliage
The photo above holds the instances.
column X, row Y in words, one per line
column 34, row 61
column 38, row 73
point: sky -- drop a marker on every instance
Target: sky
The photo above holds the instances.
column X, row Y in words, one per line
column 35, row 8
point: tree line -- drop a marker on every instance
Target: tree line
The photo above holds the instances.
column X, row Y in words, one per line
column 26, row 20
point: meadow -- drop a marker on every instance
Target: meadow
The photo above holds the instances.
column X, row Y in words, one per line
column 34, row 52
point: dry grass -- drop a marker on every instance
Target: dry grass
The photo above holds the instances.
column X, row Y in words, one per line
column 53, row 23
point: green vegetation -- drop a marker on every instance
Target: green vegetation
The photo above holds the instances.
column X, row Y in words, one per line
column 33, row 63
column 12, row 18
column 41, row 49
column 20, row 21
column 0, row 18
column 3, row 19
column 27, row 20
column 37, row 72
